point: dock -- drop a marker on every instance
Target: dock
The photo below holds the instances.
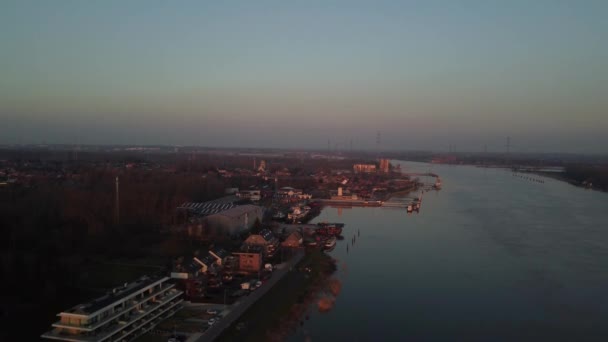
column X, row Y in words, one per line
column 359, row 203
column 354, row 203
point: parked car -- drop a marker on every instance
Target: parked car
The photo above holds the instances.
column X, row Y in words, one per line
column 213, row 311
column 212, row 321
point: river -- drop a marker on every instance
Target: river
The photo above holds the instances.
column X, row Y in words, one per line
column 490, row 257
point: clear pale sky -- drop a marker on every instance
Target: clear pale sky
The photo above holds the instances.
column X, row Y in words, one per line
column 426, row 74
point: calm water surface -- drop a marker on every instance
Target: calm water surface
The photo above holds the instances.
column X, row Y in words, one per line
column 490, row 257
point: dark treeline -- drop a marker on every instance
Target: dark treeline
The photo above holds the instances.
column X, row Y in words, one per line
column 53, row 229
column 595, row 176
column 59, row 218
column 501, row 158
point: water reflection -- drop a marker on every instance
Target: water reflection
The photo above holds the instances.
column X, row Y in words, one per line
column 490, row 257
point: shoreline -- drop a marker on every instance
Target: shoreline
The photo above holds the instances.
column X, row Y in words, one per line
column 565, row 179
column 276, row 315
column 559, row 176
column 405, row 191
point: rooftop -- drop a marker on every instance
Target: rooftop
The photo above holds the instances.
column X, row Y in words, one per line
column 116, row 295
column 206, row 208
column 250, row 249
column 219, row 252
column 208, row 260
column 266, row 234
column 238, row 211
column 192, row 267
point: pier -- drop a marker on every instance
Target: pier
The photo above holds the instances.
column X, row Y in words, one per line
column 358, row 203
column 395, row 204
column 354, row 203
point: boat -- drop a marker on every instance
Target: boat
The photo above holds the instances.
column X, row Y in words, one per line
column 311, row 243
column 409, row 208
column 330, row 243
column 278, row 216
column 325, row 228
column 437, row 184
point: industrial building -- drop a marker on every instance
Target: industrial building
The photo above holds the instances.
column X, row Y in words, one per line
column 385, row 165
column 202, row 209
column 250, row 194
column 364, row 168
column 234, row 220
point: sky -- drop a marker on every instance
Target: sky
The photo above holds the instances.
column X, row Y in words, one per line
column 296, row 74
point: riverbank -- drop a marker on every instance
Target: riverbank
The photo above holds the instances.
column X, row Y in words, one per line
column 280, row 311
column 560, row 176
column 403, row 192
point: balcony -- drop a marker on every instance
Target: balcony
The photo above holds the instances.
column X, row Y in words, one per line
column 130, row 305
column 133, row 323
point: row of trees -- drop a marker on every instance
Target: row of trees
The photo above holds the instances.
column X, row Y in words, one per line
column 595, row 175
column 53, row 230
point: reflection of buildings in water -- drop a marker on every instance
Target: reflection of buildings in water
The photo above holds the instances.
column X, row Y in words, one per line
column 335, row 286
column 325, row 304
column 340, row 208
column 322, row 295
column 329, row 294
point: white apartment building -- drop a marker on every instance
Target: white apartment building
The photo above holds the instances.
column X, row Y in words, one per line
column 122, row 315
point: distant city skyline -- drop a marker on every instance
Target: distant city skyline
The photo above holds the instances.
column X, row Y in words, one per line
column 426, row 74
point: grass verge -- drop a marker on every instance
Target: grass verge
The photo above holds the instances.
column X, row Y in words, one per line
column 263, row 320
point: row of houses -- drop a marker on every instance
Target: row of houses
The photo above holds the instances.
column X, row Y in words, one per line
column 255, row 194
column 250, row 258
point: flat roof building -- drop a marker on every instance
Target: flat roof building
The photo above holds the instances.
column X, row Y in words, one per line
column 364, row 168
column 121, row 315
column 235, row 220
